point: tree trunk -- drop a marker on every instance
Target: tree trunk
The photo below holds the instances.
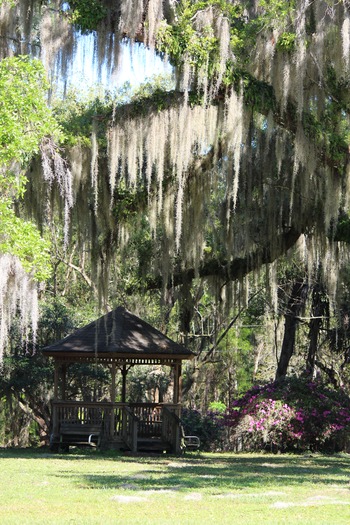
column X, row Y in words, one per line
column 296, row 304
column 318, row 311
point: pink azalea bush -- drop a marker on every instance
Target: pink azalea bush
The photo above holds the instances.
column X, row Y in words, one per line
column 296, row 414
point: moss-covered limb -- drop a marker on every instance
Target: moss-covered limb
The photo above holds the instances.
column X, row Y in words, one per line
column 191, row 34
column 146, row 106
column 331, row 141
column 130, row 202
column 329, row 132
column 326, row 132
column 206, row 35
column 76, row 115
column 233, row 270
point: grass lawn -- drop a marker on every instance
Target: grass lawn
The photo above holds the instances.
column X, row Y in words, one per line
column 92, row 487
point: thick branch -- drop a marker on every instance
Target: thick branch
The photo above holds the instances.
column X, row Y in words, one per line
column 230, row 270
column 258, row 96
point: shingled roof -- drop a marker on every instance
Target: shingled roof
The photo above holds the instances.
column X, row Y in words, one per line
column 118, row 334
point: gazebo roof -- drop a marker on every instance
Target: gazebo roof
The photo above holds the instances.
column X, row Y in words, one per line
column 119, row 335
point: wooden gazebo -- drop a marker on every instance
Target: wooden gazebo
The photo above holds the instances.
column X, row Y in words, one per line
column 118, row 340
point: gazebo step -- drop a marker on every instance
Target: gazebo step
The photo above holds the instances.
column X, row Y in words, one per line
column 152, row 445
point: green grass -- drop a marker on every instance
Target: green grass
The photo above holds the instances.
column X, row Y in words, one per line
column 105, row 488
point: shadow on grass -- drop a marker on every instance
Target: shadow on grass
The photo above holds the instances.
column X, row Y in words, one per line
column 230, row 475
column 214, row 472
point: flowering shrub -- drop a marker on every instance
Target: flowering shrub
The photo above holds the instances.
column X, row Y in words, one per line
column 271, row 422
column 296, row 414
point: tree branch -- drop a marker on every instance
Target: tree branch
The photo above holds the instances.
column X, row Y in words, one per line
column 79, row 270
column 230, row 270
column 227, row 329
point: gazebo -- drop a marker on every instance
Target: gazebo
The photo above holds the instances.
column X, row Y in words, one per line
column 118, row 340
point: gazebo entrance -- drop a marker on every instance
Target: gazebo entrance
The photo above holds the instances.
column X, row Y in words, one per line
column 119, row 340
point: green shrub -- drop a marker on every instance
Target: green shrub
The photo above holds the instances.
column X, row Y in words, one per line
column 208, row 427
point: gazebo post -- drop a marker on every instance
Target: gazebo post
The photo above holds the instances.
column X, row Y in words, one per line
column 177, row 384
column 113, row 394
column 180, row 383
column 124, row 374
column 55, row 398
column 176, row 442
column 113, row 389
column 55, row 387
column 63, row 380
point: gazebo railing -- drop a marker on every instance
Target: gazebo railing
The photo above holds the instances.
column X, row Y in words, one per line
column 129, row 428
column 108, row 415
column 171, row 429
column 81, row 413
column 121, row 421
column 149, row 419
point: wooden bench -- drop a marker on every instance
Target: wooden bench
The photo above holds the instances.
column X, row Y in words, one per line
column 80, row 434
column 191, row 442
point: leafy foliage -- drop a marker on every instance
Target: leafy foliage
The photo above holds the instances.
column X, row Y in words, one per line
column 342, row 228
column 24, row 120
column 24, row 115
column 86, row 14
column 274, row 12
column 199, row 46
column 22, row 239
column 286, row 42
